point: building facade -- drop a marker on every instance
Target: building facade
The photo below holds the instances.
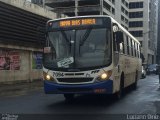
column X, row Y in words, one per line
column 153, row 27
column 143, row 25
column 21, row 41
column 118, row 9
column 158, row 37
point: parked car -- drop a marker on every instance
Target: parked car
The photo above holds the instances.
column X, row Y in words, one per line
column 152, row 69
column 143, row 75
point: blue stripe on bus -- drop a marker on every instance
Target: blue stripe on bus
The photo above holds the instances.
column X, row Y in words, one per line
column 52, row 88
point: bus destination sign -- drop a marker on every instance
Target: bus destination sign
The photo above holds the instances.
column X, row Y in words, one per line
column 77, row 22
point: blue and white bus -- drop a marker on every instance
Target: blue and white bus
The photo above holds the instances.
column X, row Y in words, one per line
column 89, row 55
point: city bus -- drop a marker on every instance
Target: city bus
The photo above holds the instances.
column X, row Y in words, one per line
column 89, row 55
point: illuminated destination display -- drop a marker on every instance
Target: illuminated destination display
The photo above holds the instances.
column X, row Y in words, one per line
column 77, row 22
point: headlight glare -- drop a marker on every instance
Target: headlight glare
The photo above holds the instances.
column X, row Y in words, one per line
column 47, row 77
column 105, row 76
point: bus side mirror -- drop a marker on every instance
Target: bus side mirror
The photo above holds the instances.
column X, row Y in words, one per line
column 119, row 37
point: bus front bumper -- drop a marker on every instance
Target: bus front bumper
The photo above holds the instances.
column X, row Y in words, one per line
column 105, row 87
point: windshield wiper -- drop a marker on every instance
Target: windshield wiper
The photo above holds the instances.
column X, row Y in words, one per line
column 52, row 47
column 68, row 40
column 65, row 36
column 86, row 35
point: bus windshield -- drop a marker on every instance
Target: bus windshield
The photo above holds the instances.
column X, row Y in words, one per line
column 78, row 49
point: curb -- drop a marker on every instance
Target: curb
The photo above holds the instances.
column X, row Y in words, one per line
column 12, row 88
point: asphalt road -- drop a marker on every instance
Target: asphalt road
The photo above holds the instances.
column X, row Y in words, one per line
column 144, row 100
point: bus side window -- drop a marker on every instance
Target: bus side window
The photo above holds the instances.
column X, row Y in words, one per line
column 122, row 49
column 125, row 44
column 135, row 48
column 128, row 53
column 138, row 51
column 131, row 46
column 115, row 45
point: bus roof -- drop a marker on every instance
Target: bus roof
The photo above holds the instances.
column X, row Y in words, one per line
column 113, row 20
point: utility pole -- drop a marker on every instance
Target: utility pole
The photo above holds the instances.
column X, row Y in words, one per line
column 43, row 3
column 76, row 7
column 101, row 7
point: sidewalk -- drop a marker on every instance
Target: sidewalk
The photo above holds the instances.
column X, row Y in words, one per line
column 20, row 88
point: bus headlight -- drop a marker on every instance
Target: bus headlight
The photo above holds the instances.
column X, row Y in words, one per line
column 105, row 76
column 47, row 77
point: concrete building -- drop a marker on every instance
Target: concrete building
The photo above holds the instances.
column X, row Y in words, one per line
column 21, row 41
column 158, row 37
column 118, row 9
column 143, row 25
column 153, row 26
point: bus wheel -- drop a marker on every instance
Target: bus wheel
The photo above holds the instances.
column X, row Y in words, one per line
column 120, row 93
column 69, row 97
column 135, row 83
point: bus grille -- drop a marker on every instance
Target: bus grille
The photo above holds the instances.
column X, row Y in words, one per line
column 74, row 80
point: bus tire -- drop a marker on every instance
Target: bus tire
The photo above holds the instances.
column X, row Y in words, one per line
column 135, row 83
column 121, row 92
column 69, row 97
